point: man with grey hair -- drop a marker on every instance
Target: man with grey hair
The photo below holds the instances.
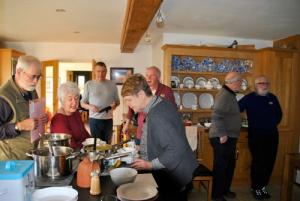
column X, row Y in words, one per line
column 153, row 75
column 15, row 124
column 223, row 134
column 264, row 114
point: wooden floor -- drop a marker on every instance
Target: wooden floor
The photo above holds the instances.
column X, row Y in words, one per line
column 244, row 194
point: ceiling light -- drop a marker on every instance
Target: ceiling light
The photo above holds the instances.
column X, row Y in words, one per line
column 160, row 20
column 148, row 38
column 60, row 10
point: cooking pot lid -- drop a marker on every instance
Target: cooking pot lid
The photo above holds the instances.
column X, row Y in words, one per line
column 57, row 150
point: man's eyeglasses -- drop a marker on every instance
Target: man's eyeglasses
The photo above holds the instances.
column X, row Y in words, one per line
column 32, row 77
column 263, row 83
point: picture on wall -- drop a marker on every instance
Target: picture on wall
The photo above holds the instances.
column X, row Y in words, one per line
column 119, row 74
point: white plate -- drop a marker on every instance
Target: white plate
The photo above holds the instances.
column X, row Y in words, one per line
column 188, row 81
column 239, row 96
column 177, row 98
column 55, row 194
column 176, row 80
column 201, row 81
column 206, row 101
column 189, row 99
column 136, row 191
column 214, row 82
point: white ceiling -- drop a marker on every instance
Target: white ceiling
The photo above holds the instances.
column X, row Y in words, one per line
column 101, row 20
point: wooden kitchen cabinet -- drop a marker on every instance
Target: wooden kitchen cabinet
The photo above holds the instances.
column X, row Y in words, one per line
column 281, row 66
column 8, row 62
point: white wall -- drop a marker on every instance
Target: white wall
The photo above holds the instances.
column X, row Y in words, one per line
column 85, row 52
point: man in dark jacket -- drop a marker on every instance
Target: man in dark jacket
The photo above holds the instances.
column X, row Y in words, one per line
column 223, row 135
column 264, row 114
column 164, row 147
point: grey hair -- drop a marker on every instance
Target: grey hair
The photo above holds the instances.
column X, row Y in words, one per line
column 233, row 79
column 25, row 61
column 155, row 68
column 67, row 88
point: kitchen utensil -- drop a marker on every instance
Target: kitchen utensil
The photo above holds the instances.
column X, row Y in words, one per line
column 55, row 139
column 123, row 175
column 57, row 166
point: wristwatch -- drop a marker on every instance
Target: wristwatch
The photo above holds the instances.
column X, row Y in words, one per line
column 16, row 127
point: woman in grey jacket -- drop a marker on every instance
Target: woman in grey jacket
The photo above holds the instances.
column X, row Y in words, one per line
column 164, row 148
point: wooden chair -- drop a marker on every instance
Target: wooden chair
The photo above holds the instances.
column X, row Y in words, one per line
column 202, row 175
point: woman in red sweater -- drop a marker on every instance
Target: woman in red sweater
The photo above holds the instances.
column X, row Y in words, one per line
column 67, row 119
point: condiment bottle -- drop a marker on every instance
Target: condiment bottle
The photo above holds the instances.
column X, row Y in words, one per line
column 84, row 171
column 95, row 183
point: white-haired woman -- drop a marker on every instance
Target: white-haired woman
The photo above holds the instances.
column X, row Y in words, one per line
column 68, row 119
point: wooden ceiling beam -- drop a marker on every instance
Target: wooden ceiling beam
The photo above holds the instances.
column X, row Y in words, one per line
column 139, row 14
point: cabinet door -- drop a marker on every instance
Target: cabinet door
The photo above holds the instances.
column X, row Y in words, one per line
column 243, row 163
column 279, row 67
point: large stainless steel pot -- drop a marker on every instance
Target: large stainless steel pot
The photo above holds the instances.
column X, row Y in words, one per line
column 54, row 166
column 55, row 139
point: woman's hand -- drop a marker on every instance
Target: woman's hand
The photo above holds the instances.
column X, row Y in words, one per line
column 141, row 164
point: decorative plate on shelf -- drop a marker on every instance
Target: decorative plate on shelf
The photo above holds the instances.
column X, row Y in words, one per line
column 206, row 101
column 176, row 80
column 188, row 100
column 201, row 81
column 244, row 84
column 239, row 96
column 177, row 98
column 188, row 81
column 214, row 81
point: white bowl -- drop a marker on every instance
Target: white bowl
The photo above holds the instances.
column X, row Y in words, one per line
column 206, row 124
column 123, row 175
column 89, row 141
column 55, row 193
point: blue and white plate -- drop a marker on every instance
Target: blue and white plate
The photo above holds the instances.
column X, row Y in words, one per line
column 176, row 80
column 177, row 98
column 188, row 81
column 188, row 100
column 201, row 81
column 214, row 81
column 206, row 101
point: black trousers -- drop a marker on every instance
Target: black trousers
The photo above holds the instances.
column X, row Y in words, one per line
column 101, row 128
column 263, row 148
column 224, row 164
column 169, row 189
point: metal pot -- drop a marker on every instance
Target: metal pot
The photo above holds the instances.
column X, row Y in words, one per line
column 55, row 139
column 54, row 166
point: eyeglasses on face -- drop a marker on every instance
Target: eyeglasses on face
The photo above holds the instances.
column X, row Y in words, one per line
column 263, row 83
column 32, row 77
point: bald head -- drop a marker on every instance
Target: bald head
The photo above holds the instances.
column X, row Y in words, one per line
column 233, row 81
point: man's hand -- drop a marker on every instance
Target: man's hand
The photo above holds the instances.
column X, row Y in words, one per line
column 125, row 126
column 28, row 124
column 141, row 164
column 94, row 108
column 113, row 105
column 223, row 139
column 44, row 119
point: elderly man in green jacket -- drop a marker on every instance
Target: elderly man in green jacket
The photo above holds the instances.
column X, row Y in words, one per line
column 15, row 124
